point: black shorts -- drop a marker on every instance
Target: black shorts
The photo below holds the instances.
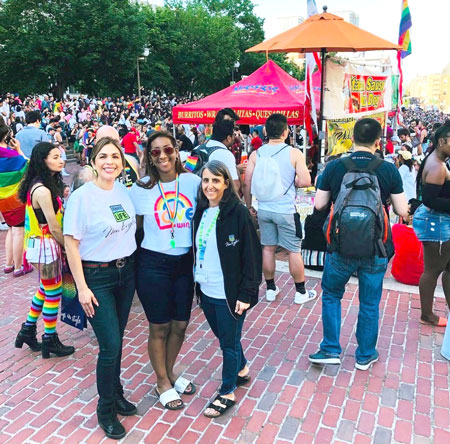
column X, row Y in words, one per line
column 19, row 225
column 165, row 286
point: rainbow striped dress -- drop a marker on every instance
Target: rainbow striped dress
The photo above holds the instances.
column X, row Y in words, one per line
column 12, row 168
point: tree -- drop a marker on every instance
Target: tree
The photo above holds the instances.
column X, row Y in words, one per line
column 51, row 44
column 190, row 51
column 250, row 32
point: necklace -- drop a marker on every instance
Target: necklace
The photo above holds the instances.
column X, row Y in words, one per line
column 171, row 212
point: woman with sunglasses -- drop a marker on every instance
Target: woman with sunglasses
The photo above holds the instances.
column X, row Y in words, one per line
column 228, row 272
column 165, row 202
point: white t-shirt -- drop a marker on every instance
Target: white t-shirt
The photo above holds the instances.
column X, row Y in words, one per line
column 214, row 286
column 104, row 221
column 225, row 156
column 157, row 226
column 409, row 181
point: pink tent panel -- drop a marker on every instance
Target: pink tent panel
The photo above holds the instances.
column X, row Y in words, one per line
column 266, row 91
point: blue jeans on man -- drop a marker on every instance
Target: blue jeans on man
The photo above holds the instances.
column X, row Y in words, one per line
column 337, row 272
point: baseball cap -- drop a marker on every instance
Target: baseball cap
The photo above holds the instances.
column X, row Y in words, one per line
column 405, row 154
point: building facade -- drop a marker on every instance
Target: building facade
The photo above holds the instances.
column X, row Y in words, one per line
column 432, row 90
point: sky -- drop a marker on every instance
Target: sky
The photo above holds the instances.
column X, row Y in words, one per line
column 429, row 32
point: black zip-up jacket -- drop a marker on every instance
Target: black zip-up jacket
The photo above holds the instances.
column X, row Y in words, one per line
column 240, row 253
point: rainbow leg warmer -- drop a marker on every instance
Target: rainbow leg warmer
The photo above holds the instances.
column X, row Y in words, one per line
column 36, row 306
column 52, row 288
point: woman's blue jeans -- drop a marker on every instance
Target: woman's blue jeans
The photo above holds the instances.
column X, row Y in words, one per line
column 114, row 290
column 337, row 272
column 228, row 330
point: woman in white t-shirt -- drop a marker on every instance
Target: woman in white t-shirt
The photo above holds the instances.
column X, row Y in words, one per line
column 165, row 202
column 407, row 173
column 99, row 236
column 228, row 272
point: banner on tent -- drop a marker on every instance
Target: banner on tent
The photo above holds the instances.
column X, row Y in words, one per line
column 354, row 90
column 340, row 132
column 255, row 115
column 363, row 93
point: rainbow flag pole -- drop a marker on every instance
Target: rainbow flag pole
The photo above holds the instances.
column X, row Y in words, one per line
column 404, row 40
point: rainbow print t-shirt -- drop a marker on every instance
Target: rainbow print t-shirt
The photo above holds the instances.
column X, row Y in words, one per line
column 157, row 220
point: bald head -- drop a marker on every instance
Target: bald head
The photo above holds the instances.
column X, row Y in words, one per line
column 107, row 131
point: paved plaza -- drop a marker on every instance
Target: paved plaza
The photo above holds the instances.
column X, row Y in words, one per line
column 404, row 398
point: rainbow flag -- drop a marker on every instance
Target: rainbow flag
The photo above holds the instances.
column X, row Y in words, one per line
column 191, row 163
column 12, row 169
column 404, row 38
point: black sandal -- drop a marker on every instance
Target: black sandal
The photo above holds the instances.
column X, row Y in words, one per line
column 243, row 380
column 228, row 403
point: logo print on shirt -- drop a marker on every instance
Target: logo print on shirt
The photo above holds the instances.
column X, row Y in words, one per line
column 119, row 213
column 184, row 215
column 232, row 241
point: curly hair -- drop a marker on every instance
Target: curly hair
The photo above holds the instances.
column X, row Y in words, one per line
column 38, row 171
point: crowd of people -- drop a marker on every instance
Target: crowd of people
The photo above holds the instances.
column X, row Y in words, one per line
column 203, row 222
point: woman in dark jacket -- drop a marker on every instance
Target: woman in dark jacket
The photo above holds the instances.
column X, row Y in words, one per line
column 228, row 270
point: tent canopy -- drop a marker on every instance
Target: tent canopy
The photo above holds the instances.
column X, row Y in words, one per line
column 266, row 91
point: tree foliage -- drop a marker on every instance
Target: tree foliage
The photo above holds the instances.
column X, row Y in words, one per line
column 51, row 44
column 190, row 51
column 94, row 45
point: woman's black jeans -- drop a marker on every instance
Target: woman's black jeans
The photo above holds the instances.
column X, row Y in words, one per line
column 114, row 290
column 228, row 330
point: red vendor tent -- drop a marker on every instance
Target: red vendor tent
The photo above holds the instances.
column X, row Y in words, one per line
column 268, row 90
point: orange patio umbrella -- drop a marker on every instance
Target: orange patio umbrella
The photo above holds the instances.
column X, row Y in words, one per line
column 324, row 33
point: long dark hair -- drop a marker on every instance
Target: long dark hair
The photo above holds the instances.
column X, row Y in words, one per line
column 150, row 169
column 38, row 171
column 408, row 162
column 218, row 169
column 441, row 132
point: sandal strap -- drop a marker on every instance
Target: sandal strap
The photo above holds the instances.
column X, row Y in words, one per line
column 169, row 396
column 225, row 401
column 181, row 384
column 217, row 408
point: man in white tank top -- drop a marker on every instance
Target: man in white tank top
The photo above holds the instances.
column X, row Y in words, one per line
column 277, row 218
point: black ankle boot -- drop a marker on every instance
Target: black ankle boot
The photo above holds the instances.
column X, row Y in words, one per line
column 107, row 420
column 124, row 407
column 52, row 344
column 27, row 335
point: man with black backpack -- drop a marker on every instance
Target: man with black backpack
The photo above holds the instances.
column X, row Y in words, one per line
column 358, row 238
column 217, row 148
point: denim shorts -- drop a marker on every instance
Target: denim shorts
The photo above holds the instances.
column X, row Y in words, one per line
column 278, row 229
column 165, row 286
column 431, row 225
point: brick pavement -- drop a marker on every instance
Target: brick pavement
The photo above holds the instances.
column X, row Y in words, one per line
column 404, row 398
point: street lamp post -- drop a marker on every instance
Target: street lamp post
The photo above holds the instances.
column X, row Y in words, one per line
column 141, row 58
column 235, row 68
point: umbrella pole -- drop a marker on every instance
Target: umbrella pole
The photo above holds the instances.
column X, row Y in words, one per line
column 321, row 128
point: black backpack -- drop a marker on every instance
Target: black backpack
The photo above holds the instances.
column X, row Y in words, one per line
column 202, row 153
column 358, row 225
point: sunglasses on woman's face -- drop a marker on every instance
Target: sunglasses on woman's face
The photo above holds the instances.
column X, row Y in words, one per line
column 156, row 152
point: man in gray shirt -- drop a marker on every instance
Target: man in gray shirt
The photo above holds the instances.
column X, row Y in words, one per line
column 31, row 134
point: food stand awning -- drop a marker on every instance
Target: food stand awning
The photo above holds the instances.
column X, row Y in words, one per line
column 266, row 91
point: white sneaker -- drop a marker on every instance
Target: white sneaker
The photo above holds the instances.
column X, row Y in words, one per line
column 302, row 298
column 271, row 295
column 3, row 226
